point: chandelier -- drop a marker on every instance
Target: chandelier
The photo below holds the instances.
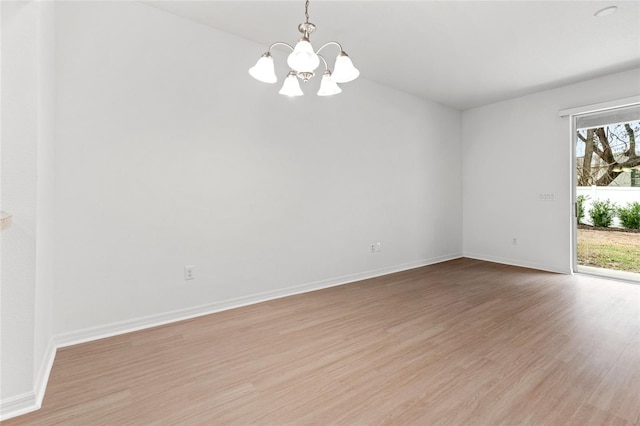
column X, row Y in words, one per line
column 303, row 61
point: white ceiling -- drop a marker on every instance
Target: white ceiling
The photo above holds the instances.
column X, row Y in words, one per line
column 458, row 53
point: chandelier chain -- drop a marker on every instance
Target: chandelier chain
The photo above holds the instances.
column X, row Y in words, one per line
column 306, row 11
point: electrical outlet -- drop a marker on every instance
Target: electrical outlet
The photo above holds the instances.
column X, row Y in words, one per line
column 378, row 246
column 372, row 248
column 189, row 272
column 514, row 241
column 375, row 247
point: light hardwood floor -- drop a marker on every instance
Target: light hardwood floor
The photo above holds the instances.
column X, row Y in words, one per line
column 463, row 342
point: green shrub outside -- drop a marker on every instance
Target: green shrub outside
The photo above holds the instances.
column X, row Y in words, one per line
column 630, row 215
column 580, row 200
column 602, row 213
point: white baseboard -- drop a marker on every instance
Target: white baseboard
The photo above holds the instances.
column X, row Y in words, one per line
column 135, row 324
column 30, row 401
column 18, row 405
column 515, row 262
column 43, row 373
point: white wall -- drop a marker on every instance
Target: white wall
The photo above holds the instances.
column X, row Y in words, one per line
column 19, row 163
column 43, row 321
column 27, row 193
column 514, row 151
column 169, row 154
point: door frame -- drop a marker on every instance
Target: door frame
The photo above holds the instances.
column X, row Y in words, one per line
column 573, row 114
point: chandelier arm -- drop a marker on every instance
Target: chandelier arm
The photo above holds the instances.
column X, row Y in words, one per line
column 326, row 67
column 282, row 43
column 330, row 43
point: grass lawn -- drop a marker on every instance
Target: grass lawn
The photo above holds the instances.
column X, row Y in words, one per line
column 615, row 250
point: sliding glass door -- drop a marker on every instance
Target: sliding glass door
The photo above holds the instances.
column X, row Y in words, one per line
column 607, row 193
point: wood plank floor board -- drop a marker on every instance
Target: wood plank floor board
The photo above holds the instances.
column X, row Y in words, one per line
column 619, row 390
column 463, row 342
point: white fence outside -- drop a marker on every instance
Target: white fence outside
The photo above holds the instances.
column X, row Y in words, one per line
column 621, row 195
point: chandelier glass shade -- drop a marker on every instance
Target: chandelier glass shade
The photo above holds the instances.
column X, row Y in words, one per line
column 303, row 58
column 303, row 61
column 264, row 70
column 328, row 85
column 291, row 87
